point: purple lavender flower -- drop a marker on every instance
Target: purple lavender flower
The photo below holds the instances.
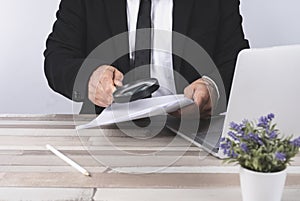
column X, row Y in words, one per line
column 237, row 127
column 263, row 122
column 233, row 154
column 272, row 135
column 271, row 116
column 244, row 147
column 255, row 138
column 296, row 142
column 233, row 136
column 246, row 137
column 280, row 156
column 226, row 146
column 234, row 126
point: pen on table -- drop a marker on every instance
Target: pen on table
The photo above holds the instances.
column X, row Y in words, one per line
column 67, row 160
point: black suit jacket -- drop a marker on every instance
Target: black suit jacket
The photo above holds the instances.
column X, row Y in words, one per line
column 84, row 24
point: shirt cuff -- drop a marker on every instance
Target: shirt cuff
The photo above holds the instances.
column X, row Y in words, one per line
column 213, row 84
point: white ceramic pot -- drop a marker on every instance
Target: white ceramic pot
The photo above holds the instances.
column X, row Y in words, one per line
column 258, row 186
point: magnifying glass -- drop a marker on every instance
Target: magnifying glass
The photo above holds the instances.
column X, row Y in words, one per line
column 136, row 90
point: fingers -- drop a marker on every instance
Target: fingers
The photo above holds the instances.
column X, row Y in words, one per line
column 98, row 98
column 107, row 83
column 201, row 96
column 118, row 78
column 199, row 92
column 189, row 91
column 102, row 85
column 96, row 93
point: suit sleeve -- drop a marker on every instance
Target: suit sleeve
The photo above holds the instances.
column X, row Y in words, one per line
column 230, row 41
column 65, row 52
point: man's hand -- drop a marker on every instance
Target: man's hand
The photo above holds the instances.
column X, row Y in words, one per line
column 204, row 96
column 102, row 85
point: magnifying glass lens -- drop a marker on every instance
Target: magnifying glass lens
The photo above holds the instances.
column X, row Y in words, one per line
column 136, row 90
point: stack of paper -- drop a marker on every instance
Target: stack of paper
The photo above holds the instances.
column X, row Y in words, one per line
column 121, row 112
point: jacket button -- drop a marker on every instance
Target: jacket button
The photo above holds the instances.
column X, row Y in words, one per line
column 77, row 96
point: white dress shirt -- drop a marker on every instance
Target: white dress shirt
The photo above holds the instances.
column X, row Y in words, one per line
column 161, row 61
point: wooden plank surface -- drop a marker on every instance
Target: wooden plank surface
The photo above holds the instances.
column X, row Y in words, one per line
column 116, row 161
column 230, row 194
column 43, row 194
column 123, row 194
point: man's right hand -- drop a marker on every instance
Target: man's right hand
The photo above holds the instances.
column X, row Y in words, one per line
column 102, row 85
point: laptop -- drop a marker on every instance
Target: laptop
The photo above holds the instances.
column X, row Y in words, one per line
column 266, row 80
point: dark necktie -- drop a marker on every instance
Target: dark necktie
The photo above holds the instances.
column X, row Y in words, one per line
column 143, row 41
column 143, row 37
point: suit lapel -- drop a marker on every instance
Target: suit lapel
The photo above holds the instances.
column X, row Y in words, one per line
column 117, row 16
column 181, row 15
column 117, row 19
column 181, row 20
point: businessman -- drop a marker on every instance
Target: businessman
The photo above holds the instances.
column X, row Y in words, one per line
column 82, row 25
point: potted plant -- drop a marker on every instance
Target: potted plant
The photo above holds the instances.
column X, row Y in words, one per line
column 263, row 154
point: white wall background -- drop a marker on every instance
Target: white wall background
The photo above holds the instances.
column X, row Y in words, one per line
column 271, row 22
column 24, row 26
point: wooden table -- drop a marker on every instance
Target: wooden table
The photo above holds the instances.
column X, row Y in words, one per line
column 30, row 172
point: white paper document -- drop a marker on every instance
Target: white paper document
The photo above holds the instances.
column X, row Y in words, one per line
column 121, row 112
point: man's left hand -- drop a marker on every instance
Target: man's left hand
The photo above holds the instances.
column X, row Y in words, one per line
column 204, row 96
